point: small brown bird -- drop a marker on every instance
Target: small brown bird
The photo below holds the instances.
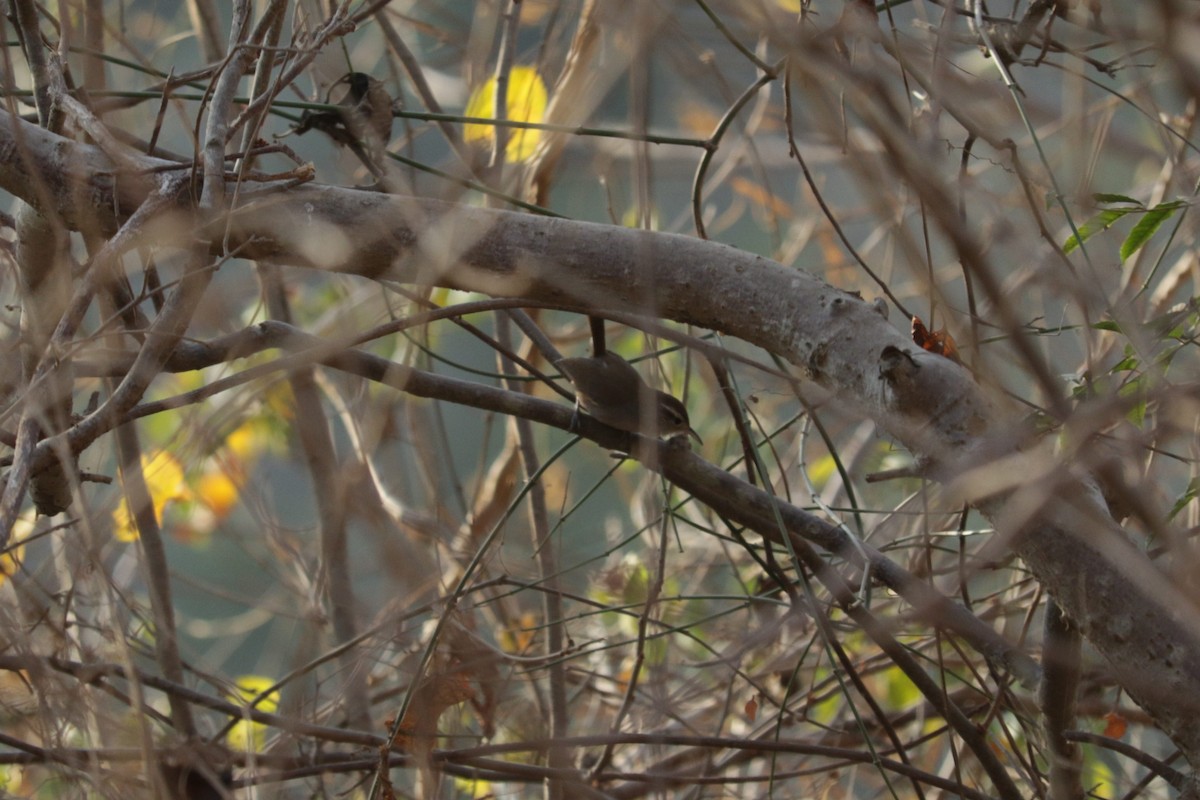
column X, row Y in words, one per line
column 366, row 108
column 362, row 121
column 608, row 388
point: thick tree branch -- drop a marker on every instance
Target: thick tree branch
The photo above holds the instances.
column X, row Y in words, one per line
column 1147, row 629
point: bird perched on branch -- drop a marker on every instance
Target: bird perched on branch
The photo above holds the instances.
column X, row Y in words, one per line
column 608, row 388
column 362, row 120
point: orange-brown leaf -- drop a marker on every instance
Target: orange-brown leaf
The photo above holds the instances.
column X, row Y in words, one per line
column 761, row 197
column 433, row 698
column 939, row 341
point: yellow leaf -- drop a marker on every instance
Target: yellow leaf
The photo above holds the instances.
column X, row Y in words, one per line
column 247, row 688
column 821, row 470
column 518, row 638
column 12, row 779
column 10, row 561
column 247, row 735
column 1098, row 776
column 218, row 491
column 474, row 788
column 164, row 478
column 246, row 439
column 165, row 482
column 632, row 218
column 526, row 102
column 123, row 528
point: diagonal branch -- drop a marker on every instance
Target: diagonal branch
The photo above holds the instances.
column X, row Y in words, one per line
column 1055, row 520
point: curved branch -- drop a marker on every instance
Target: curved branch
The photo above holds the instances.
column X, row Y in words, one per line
column 730, row 496
column 1055, row 520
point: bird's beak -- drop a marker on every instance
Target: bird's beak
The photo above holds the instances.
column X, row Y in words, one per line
column 692, row 433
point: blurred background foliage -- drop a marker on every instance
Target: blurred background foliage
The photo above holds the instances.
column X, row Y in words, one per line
column 1079, row 182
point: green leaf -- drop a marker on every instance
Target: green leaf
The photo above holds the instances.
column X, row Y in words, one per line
column 1126, row 364
column 1136, row 388
column 1147, row 225
column 656, row 651
column 1101, row 222
column 1193, row 488
column 637, row 585
column 901, row 692
column 1103, row 197
column 1176, row 321
column 1137, row 414
column 1107, row 325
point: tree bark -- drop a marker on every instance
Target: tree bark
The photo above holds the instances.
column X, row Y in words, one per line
column 1050, row 514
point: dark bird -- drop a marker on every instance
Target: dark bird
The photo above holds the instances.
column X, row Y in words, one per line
column 608, row 388
column 365, row 108
column 362, row 120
